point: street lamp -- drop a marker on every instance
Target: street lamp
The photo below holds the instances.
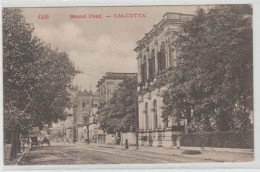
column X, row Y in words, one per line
column 64, row 131
column 136, row 124
column 87, row 116
column 75, row 129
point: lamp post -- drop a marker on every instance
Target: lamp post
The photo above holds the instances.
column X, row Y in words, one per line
column 65, row 133
column 136, row 124
column 75, row 129
column 88, row 122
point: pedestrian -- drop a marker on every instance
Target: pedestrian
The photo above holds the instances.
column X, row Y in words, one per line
column 126, row 143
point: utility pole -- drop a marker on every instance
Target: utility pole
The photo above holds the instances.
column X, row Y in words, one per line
column 75, row 129
column 136, row 124
column 86, row 117
column 88, row 121
column 65, row 133
column 88, row 133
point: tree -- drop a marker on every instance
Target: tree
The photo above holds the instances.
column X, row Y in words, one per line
column 214, row 76
column 36, row 78
column 119, row 113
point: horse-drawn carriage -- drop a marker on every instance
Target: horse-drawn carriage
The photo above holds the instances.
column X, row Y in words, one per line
column 37, row 140
column 34, row 140
column 45, row 140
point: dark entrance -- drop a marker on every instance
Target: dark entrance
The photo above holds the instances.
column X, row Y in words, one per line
column 150, row 138
column 159, row 138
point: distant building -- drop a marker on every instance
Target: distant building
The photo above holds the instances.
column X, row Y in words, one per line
column 108, row 84
column 106, row 87
column 96, row 135
column 85, row 101
column 156, row 52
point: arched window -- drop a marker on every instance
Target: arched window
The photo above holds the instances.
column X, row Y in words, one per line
column 144, row 69
column 152, row 65
column 155, row 117
column 161, row 58
column 146, row 116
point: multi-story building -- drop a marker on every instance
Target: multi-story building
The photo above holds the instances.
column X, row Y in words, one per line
column 156, row 52
column 69, row 123
column 107, row 85
column 96, row 135
column 84, row 102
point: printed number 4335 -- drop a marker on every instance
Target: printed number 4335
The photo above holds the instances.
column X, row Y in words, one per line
column 43, row 16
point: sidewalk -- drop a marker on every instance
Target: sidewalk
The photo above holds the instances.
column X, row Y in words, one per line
column 7, row 149
column 219, row 156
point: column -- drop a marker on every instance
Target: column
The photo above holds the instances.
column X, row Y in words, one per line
column 106, row 91
column 167, row 53
column 140, row 115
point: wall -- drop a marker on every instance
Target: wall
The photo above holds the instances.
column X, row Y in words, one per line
column 149, row 98
column 82, row 134
column 130, row 136
column 110, row 139
column 231, row 139
column 69, row 134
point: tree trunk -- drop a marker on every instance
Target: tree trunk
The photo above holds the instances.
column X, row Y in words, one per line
column 18, row 139
column 13, row 153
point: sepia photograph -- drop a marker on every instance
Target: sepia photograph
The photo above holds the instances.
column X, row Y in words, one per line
column 152, row 84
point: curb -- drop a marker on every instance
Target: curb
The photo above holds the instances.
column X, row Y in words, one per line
column 24, row 154
column 183, row 148
column 230, row 150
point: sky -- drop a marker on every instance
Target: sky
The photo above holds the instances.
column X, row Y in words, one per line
column 97, row 46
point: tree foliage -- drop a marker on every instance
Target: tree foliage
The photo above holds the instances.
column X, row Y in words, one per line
column 214, row 73
column 36, row 77
column 119, row 113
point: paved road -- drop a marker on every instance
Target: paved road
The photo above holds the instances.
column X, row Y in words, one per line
column 64, row 153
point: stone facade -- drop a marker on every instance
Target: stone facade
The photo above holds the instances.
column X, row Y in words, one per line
column 106, row 87
column 86, row 101
column 82, row 125
column 156, row 52
column 96, row 135
column 108, row 84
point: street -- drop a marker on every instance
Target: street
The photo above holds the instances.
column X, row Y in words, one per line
column 69, row 153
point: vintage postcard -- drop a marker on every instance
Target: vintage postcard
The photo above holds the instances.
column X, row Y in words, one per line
column 128, row 85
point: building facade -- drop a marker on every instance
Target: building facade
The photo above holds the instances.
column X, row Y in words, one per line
column 96, row 135
column 84, row 102
column 156, row 52
column 108, row 84
column 106, row 87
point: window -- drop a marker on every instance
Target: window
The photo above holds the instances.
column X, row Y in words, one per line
column 144, row 69
column 152, row 65
column 155, row 117
column 83, row 104
column 161, row 58
column 86, row 120
column 146, row 116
